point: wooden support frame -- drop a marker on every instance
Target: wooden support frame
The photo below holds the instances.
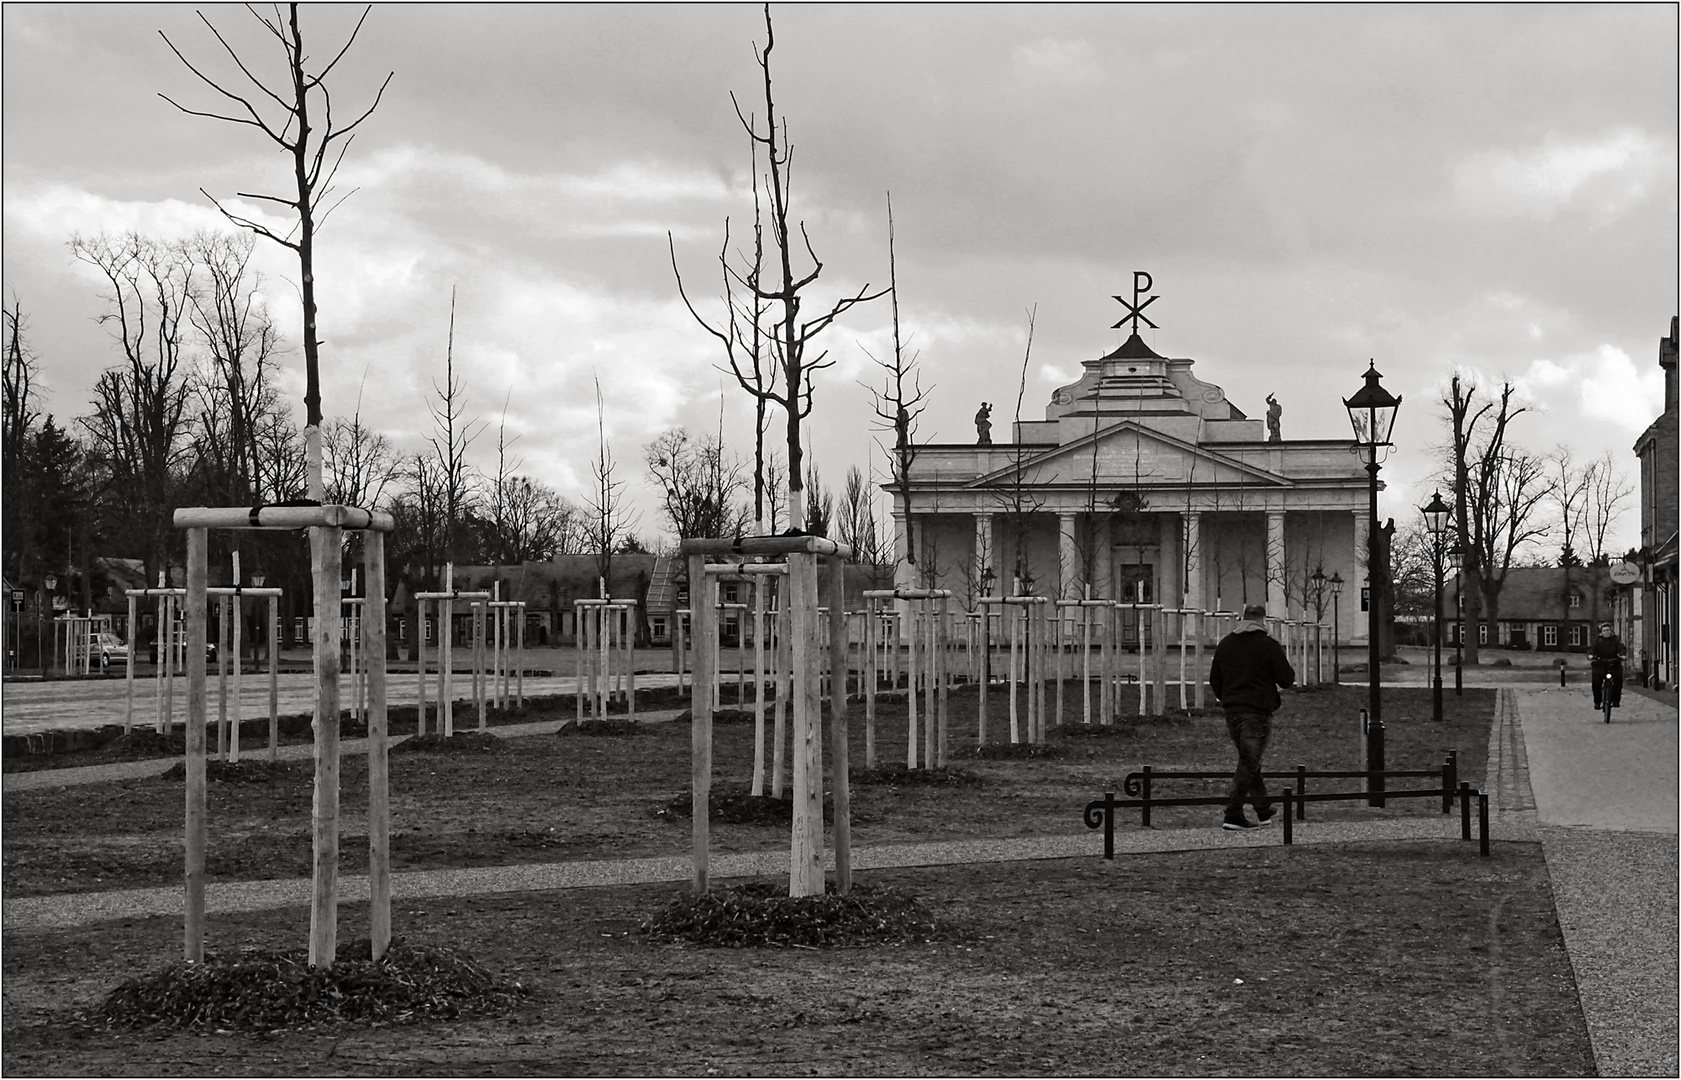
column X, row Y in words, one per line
column 326, row 525
column 800, row 553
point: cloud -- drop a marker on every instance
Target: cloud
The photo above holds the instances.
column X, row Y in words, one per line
column 1605, row 385
column 1607, row 174
column 1055, row 63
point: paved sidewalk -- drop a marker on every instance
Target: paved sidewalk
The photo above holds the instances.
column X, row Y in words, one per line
column 1603, row 800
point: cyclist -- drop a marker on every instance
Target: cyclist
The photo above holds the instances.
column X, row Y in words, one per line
column 1607, row 655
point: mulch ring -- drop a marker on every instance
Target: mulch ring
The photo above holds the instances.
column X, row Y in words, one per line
column 737, row 807
column 248, row 771
column 609, row 726
column 900, row 776
column 462, row 742
column 723, row 716
column 763, row 915
column 262, row 990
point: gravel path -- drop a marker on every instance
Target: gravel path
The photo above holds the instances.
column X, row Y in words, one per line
column 1603, row 802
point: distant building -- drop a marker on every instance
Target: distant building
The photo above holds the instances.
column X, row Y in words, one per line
column 1660, row 507
column 1143, row 483
column 1541, row 608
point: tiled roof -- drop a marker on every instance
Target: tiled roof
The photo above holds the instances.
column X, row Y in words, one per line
column 1537, row 594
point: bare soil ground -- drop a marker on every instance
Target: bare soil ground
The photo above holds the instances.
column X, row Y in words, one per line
column 1416, row 958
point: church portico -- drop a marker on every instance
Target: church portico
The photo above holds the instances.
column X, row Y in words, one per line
column 1142, row 483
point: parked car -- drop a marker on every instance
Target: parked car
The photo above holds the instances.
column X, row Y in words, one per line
column 209, row 652
column 109, row 649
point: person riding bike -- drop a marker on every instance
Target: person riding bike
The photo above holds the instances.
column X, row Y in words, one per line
column 1607, row 655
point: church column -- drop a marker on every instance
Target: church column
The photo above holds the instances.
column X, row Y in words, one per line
column 1277, row 599
column 985, row 556
column 904, row 574
column 1068, row 556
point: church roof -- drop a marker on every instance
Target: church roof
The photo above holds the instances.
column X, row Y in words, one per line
column 1133, row 348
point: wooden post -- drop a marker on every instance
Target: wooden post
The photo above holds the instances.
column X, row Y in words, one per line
column 630, row 660
column 912, row 668
column 446, row 654
column 274, row 678
column 805, row 856
column 1158, row 639
column 870, row 670
column 221, row 676
column 481, row 677
column 198, row 575
column 701, row 588
column 1014, row 615
column 942, row 650
column 580, row 647
column 986, row 669
column 784, row 687
column 133, row 657
column 759, row 686
column 420, row 665
column 327, row 556
column 838, row 739
column 379, row 773
column 238, row 669
column 932, row 670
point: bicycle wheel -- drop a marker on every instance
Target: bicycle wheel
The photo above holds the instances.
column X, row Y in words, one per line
column 1605, row 697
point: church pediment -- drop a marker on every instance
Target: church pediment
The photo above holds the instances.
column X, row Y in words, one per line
column 1130, row 455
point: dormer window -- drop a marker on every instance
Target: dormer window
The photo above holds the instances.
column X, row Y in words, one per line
column 1575, row 599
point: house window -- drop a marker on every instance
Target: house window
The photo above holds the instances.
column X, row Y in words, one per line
column 1482, row 633
column 1575, row 599
column 732, row 593
column 656, row 626
column 1575, row 635
column 1549, row 635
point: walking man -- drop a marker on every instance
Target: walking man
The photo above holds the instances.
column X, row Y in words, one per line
column 1249, row 667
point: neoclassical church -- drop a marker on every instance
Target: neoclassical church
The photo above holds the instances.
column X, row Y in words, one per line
column 1145, row 483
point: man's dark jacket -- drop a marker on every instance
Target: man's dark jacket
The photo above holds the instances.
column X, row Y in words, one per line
column 1249, row 667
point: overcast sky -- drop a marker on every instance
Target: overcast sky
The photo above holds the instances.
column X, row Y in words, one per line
column 1434, row 186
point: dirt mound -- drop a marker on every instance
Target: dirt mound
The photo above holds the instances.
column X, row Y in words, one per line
column 1008, row 751
column 243, row 772
column 761, row 914
column 900, row 776
column 738, row 807
column 263, row 990
column 615, row 728
column 462, row 742
column 724, row 716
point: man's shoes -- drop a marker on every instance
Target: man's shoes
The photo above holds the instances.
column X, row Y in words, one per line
column 1262, row 820
column 1238, row 824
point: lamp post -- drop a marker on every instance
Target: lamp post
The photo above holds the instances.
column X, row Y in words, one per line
column 1456, row 559
column 50, row 585
column 1436, row 520
column 1371, row 413
column 1336, row 629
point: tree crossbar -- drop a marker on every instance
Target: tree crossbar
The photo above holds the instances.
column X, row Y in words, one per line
column 1138, row 784
column 1100, row 813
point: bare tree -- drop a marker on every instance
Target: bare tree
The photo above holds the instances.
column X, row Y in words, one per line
column 898, row 406
column 138, row 425
column 819, row 504
column 785, row 290
column 856, row 520
column 1497, row 491
column 611, row 521
column 360, row 464
column 286, row 117
column 1604, row 501
column 20, row 417
column 1014, row 498
column 501, row 488
column 453, row 435
column 537, row 523
column 699, row 482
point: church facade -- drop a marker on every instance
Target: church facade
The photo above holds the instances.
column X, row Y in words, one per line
column 1142, row 483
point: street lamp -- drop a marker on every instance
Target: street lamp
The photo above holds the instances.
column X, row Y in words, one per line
column 1371, row 412
column 1456, row 559
column 1436, row 520
column 1336, row 629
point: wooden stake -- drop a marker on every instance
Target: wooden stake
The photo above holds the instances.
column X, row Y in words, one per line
column 838, row 749
column 379, row 772
column 274, row 678
column 805, row 856
column 327, row 557
column 702, row 587
column 198, row 574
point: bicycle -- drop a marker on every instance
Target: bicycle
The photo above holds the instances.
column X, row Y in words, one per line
column 1607, row 688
